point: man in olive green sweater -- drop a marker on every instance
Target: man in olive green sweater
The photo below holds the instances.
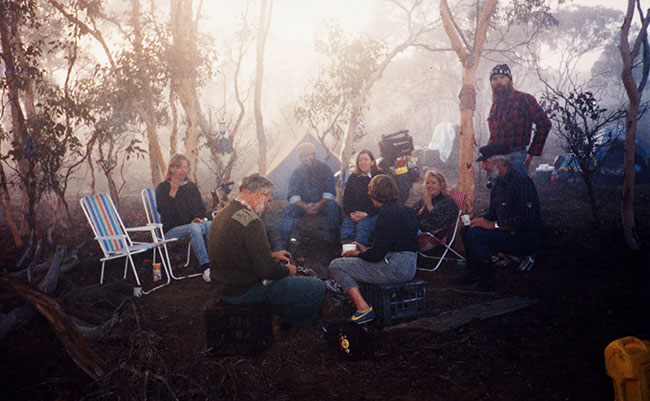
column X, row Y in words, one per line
column 244, row 268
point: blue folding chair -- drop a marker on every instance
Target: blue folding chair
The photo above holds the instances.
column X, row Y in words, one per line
column 153, row 218
column 113, row 237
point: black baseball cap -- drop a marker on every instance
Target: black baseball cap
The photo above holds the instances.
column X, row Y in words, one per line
column 493, row 149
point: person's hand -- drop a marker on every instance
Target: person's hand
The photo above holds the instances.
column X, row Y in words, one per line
column 426, row 198
column 357, row 216
column 321, row 203
column 292, row 269
column 198, row 220
column 482, row 222
column 351, row 254
column 282, row 256
column 312, row 208
column 528, row 159
column 360, row 247
column 173, row 188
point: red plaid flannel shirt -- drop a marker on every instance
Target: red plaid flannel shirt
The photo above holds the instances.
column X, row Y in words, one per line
column 511, row 123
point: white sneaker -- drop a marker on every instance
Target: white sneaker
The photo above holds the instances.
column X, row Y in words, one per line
column 206, row 275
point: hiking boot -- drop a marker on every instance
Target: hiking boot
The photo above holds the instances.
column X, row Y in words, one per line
column 363, row 317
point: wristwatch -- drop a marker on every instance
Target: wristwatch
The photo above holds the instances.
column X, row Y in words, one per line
column 496, row 225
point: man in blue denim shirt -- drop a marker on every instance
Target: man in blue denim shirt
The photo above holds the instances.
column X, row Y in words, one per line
column 311, row 191
column 512, row 224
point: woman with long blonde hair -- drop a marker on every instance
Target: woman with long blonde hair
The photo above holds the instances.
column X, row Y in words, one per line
column 181, row 210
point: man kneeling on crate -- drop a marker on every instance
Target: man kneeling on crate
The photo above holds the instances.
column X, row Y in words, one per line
column 243, row 266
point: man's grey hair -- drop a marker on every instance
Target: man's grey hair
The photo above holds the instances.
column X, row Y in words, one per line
column 507, row 160
column 256, row 183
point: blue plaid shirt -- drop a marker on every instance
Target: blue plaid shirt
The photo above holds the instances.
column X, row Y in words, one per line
column 514, row 202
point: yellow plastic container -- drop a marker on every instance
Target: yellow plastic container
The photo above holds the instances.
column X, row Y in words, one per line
column 627, row 361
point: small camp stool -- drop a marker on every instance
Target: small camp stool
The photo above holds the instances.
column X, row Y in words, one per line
column 238, row 330
column 395, row 303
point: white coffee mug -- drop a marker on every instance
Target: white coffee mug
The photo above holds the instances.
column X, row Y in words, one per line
column 348, row 247
column 465, row 219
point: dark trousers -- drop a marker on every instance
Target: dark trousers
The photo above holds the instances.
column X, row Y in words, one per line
column 480, row 243
column 292, row 211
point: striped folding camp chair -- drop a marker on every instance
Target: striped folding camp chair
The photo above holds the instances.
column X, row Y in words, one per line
column 449, row 233
column 153, row 218
column 113, row 237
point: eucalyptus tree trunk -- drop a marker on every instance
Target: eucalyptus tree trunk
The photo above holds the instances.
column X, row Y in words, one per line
column 628, row 55
column 469, row 56
column 262, row 33
column 350, row 137
column 11, row 42
column 144, row 106
column 184, row 79
column 145, row 109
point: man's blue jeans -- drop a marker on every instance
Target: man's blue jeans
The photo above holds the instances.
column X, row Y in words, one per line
column 517, row 161
column 359, row 231
column 480, row 243
column 297, row 300
column 198, row 234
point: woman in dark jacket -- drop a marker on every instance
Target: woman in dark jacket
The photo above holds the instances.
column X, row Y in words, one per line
column 391, row 258
column 360, row 213
column 181, row 210
column 436, row 209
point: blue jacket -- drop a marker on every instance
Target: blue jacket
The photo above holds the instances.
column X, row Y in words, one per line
column 514, row 202
column 311, row 184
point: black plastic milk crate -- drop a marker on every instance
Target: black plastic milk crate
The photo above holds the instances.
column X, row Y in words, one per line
column 238, row 330
column 394, row 303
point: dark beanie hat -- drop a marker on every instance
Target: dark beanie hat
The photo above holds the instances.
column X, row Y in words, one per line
column 501, row 69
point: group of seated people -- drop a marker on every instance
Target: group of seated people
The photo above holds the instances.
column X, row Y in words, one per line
column 386, row 234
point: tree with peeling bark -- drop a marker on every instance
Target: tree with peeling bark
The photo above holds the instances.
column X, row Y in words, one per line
column 629, row 54
column 327, row 107
column 188, row 65
column 45, row 149
column 264, row 24
column 469, row 54
column 224, row 160
column 140, row 66
column 16, row 80
column 341, row 119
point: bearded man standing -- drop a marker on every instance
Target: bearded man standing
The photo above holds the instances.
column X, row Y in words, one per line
column 512, row 224
column 511, row 119
column 243, row 266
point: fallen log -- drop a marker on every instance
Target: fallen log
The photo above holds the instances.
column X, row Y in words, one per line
column 69, row 262
column 83, row 355
column 457, row 317
column 49, row 282
column 18, row 317
column 34, row 262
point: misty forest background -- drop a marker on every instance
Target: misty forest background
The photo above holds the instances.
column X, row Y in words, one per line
column 97, row 95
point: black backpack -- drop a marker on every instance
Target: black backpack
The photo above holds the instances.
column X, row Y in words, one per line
column 349, row 340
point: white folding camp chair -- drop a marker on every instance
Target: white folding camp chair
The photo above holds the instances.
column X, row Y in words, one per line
column 153, row 217
column 113, row 237
column 449, row 234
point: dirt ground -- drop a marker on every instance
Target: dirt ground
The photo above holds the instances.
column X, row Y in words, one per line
column 589, row 292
